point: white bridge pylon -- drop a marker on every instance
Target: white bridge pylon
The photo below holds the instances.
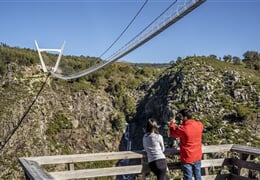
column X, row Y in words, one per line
column 60, row 51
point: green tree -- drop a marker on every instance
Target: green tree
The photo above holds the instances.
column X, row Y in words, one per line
column 252, row 59
column 236, row 60
column 227, row 58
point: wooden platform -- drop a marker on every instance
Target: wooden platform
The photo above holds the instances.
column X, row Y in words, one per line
column 238, row 161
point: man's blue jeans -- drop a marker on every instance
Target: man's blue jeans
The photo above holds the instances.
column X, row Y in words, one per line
column 191, row 169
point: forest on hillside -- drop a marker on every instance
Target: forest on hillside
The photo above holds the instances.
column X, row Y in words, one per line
column 25, row 56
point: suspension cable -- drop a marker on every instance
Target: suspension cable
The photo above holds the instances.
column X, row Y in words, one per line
column 124, row 29
column 23, row 116
column 141, row 32
column 184, row 10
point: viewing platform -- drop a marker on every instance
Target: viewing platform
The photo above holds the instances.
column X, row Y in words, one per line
column 219, row 162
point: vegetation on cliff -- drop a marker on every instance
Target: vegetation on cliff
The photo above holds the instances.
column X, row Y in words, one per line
column 90, row 114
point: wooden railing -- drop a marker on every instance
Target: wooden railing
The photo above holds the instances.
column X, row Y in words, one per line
column 219, row 162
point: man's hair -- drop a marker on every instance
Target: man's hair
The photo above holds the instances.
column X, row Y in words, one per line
column 187, row 113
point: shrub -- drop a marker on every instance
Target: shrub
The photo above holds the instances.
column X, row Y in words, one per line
column 118, row 122
column 243, row 113
column 58, row 123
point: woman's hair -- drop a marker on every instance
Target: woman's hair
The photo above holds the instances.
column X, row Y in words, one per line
column 152, row 126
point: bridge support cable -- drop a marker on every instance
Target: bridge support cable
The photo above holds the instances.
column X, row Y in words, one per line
column 144, row 37
column 121, row 34
column 158, row 28
column 142, row 33
column 19, row 124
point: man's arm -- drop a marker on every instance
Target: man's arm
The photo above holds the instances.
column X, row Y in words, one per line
column 173, row 128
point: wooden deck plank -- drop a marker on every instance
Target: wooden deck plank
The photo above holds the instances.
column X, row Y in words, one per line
column 88, row 173
column 75, row 158
column 204, row 163
column 246, row 150
column 32, row 170
column 214, row 162
column 215, row 177
column 217, row 148
column 236, row 177
column 245, row 164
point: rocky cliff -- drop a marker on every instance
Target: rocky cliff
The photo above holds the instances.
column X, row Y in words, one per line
column 223, row 96
column 41, row 115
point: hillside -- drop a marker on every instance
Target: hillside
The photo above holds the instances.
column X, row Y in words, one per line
column 52, row 116
column 224, row 96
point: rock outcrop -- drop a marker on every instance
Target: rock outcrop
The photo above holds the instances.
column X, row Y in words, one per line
column 41, row 115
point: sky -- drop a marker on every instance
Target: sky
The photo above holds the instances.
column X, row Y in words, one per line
column 89, row 27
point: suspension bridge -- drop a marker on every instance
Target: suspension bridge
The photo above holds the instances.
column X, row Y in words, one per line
column 157, row 26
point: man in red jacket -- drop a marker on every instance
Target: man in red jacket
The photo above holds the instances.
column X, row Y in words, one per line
column 190, row 134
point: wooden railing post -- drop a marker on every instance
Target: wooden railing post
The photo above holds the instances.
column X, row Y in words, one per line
column 243, row 171
column 205, row 171
column 70, row 166
column 145, row 167
column 250, row 173
column 143, row 170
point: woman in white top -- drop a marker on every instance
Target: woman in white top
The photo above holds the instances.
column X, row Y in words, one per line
column 154, row 147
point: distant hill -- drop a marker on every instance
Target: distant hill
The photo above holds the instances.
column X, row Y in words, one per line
column 41, row 115
column 225, row 96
